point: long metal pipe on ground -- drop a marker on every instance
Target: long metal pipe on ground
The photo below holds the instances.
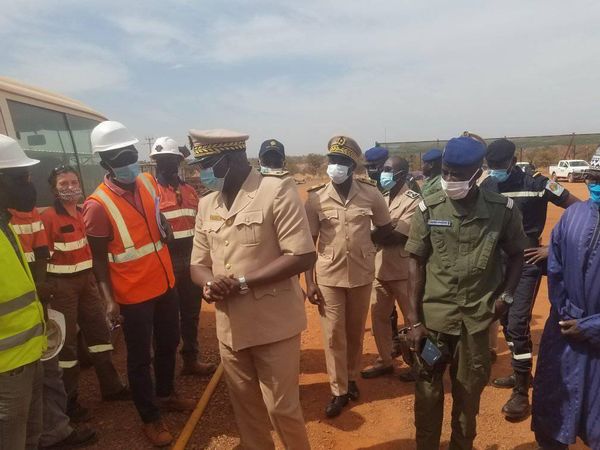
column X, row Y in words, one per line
column 194, row 418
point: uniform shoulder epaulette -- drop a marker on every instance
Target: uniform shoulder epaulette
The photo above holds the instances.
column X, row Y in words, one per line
column 281, row 174
column 367, row 181
column 412, row 194
column 493, row 197
column 434, row 199
column 537, row 174
column 316, row 187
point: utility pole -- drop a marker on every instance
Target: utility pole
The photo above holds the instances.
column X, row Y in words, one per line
column 149, row 140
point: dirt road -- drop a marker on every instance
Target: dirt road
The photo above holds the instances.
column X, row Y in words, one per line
column 382, row 419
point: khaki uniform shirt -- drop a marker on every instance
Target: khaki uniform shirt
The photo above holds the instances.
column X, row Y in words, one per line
column 431, row 186
column 345, row 252
column 266, row 220
column 391, row 263
column 464, row 272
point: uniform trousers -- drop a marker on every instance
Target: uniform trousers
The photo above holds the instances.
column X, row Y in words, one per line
column 387, row 293
column 263, row 384
column 151, row 324
column 468, row 357
column 78, row 298
column 343, row 319
column 21, row 407
column 57, row 424
column 516, row 321
column 190, row 301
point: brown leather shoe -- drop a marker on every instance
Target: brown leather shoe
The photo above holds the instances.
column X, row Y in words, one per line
column 157, row 433
column 194, row 367
column 175, row 403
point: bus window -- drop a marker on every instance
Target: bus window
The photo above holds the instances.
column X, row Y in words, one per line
column 89, row 165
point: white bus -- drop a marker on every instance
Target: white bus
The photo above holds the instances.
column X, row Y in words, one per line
column 52, row 128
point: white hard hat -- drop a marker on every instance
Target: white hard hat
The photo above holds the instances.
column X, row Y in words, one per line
column 55, row 333
column 12, row 155
column 165, row 145
column 111, row 135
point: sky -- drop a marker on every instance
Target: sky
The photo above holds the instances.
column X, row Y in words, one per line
column 303, row 71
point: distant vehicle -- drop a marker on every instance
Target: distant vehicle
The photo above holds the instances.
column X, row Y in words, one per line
column 569, row 169
column 52, row 128
column 595, row 162
column 526, row 167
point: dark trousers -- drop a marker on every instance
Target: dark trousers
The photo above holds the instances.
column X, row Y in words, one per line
column 548, row 443
column 151, row 324
column 190, row 300
column 517, row 319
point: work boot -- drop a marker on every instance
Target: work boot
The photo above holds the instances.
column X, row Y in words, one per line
column 79, row 437
column 377, row 370
column 517, row 407
column 194, row 367
column 353, row 392
column 77, row 413
column 157, row 433
column 175, row 403
column 336, row 405
column 505, row 382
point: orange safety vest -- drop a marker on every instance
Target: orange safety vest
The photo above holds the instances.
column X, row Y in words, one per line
column 29, row 228
column 181, row 215
column 69, row 248
column 139, row 264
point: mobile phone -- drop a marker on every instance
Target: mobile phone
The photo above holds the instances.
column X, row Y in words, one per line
column 430, row 353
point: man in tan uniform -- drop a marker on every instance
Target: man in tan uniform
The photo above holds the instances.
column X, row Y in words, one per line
column 391, row 263
column 250, row 243
column 340, row 214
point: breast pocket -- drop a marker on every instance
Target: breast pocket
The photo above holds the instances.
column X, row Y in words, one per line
column 210, row 228
column 440, row 246
column 248, row 224
column 487, row 248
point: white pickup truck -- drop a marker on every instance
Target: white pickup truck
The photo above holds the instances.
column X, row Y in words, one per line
column 569, row 169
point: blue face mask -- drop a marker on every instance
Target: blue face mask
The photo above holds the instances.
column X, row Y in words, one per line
column 126, row 174
column 500, row 175
column 386, row 179
column 594, row 193
column 210, row 181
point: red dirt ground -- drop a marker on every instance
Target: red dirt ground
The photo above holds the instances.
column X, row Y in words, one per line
column 382, row 419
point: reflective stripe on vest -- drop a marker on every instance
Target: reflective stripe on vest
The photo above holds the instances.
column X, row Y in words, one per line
column 28, row 228
column 70, row 246
column 69, row 268
column 20, row 338
column 131, row 254
column 100, row 348
column 524, row 194
column 67, row 364
column 148, row 185
column 183, row 212
column 118, row 218
column 29, row 256
column 17, row 303
column 183, row 234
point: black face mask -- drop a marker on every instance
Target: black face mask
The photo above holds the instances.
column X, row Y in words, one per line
column 20, row 196
column 374, row 174
column 169, row 168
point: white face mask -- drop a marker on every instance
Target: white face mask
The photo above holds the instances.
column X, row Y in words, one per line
column 338, row 173
column 457, row 190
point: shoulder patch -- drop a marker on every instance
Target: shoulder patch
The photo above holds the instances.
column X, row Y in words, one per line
column 412, row 194
column 435, row 199
column 367, row 181
column 422, row 206
column 554, row 188
column 316, row 187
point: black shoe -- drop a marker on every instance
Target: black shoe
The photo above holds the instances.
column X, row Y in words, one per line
column 505, row 382
column 353, row 392
column 517, row 408
column 121, row 396
column 407, row 376
column 336, row 405
column 377, row 371
column 79, row 437
column 78, row 414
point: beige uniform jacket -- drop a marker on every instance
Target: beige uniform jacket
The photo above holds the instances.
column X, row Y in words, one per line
column 266, row 220
column 346, row 254
column 391, row 263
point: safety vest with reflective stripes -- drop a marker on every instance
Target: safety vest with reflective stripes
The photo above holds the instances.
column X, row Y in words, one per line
column 69, row 248
column 30, row 229
column 22, row 328
column 180, row 214
column 139, row 264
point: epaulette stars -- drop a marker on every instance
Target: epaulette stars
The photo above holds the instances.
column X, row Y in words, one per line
column 412, row 194
column 367, row 181
column 316, row 187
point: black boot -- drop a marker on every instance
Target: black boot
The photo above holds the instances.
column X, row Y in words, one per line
column 517, row 407
column 353, row 392
column 505, row 382
column 336, row 405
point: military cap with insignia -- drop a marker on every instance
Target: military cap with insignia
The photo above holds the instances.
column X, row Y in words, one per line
column 271, row 145
column 206, row 143
column 463, row 151
column 500, row 150
column 432, row 155
column 346, row 146
column 376, row 154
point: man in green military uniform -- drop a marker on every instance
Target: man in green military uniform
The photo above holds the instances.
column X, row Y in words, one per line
column 456, row 239
column 432, row 171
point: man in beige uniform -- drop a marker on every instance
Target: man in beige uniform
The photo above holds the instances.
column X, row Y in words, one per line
column 340, row 214
column 391, row 263
column 251, row 242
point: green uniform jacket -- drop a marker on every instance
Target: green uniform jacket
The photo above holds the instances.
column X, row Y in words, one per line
column 431, row 186
column 464, row 272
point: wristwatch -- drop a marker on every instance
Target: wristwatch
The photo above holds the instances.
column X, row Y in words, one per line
column 507, row 298
column 244, row 289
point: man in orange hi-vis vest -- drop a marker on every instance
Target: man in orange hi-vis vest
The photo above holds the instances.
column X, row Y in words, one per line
column 131, row 262
column 179, row 205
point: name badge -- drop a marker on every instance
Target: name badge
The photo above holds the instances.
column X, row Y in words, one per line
column 439, row 223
